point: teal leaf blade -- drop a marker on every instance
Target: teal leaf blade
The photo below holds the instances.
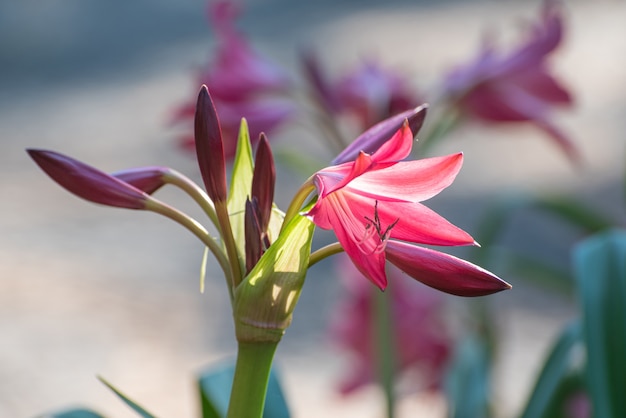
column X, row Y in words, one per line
column 215, row 384
column 74, row 413
column 467, row 383
column 600, row 269
column 555, row 370
column 132, row 404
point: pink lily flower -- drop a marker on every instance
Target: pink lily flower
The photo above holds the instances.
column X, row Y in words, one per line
column 516, row 87
column 421, row 340
column 376, row 198
column 370, row 93
column 242, row 84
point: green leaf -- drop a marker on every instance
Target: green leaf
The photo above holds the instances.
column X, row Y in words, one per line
column 74, row 413
column 240, row 188
column 132, row 404
column 570, row 387
column 276, row 223
column 265, row 299
column 600, row 269
column 556, row 368
column 467, row 383
column 215, row 385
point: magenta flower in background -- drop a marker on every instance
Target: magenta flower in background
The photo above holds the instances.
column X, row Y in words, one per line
column 518, row 86
column 376, row 198
column 422, row 342
column 242, row 84
column 578, row 405
column 370, row 93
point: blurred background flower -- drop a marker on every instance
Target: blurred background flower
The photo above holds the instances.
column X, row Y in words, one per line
column 242, row 83
column 516, row 86
column 369, row 93
column 422, row 339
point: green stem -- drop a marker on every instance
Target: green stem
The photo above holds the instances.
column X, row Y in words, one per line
column 247, row 397
column 192, row 189
column 322, row 253
column 298, row 200
column 197, row 229
column 384, row 340
column 226, row 230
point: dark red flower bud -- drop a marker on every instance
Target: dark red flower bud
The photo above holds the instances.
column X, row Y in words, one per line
column 253, row 235
column 88, row 182
column 443, row 271
column 209, row 147
column 263, row 181
column 148, row 179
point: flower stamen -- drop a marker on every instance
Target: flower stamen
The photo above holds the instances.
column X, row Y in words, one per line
column 375, row 225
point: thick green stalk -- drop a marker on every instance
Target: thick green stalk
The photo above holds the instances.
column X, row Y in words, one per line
column 322, row 253
column 298, row 201
column 384, row 340
column 254, row 362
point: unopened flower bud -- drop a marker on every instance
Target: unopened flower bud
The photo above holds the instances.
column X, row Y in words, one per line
column 148, row 179
column 88, row 182
column 263, row 181
column 209, row 147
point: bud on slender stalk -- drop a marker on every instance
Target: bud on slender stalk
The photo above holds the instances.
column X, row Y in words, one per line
column 210, row 147
column 263, row 181
column 88, row 182
column 148, row 179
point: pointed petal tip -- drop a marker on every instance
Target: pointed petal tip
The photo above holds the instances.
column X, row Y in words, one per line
column 422, row 108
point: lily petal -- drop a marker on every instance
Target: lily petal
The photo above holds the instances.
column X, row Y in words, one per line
column 412, row 181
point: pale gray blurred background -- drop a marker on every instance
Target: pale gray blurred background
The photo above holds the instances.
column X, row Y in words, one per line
column 87, row 290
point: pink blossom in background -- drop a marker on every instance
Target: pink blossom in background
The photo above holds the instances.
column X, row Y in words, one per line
column 422, row 342
column 517, row 86
column 370, row 93
column 373, row 201
column 578, row 406
column 242, row 83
